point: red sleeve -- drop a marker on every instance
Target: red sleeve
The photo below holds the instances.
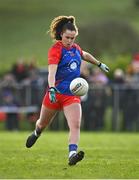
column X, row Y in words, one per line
column 79, row 48
column 54, row 54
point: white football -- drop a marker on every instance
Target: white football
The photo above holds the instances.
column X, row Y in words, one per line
column 79, row 87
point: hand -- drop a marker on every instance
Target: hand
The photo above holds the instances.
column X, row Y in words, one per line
column 104, row 67
column 52, row 94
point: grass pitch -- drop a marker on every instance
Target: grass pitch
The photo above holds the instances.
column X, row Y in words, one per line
column 107, row 155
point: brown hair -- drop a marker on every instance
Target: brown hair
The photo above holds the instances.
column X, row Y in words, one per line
column 60, row 24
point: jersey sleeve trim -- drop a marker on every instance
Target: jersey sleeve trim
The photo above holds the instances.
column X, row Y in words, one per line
column 79, row 48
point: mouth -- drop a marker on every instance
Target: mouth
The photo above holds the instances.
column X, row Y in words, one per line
column 69, row 44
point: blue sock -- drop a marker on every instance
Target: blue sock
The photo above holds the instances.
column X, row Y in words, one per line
column 73, row 147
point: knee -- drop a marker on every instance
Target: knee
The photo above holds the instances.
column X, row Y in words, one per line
column 75, row 126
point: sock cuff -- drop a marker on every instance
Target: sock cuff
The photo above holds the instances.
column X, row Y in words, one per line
column 73, row 147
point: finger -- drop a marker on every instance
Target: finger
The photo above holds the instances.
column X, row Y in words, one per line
column 51, row 99
column 54, row 98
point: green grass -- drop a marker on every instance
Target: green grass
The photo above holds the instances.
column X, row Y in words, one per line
column 23, row 24
column 107, row 155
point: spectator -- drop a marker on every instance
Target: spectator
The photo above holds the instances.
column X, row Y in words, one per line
column 20, row 70
column 124, row 93
column 32, row 64
column 8, row 81
column 9, row 103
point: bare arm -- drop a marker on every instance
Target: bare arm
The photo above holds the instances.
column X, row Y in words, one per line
column 90, row 58
column 52, row 68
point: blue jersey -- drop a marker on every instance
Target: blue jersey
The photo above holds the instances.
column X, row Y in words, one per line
column 69, row 62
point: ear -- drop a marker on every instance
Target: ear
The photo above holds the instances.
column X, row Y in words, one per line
column 61, row 34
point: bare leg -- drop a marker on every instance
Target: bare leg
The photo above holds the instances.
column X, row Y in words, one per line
column 46, row 116
column 73, row 115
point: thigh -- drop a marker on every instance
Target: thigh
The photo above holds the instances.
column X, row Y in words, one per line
column 73, row 113
column 47, row 114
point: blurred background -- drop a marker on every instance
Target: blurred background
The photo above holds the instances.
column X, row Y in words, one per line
column 108, row 29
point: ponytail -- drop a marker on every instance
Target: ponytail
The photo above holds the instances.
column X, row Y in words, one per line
column 60, row 24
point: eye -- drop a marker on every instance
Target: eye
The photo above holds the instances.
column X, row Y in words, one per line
column 69, row 37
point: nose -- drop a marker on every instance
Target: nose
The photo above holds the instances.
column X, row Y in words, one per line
column 69, row 40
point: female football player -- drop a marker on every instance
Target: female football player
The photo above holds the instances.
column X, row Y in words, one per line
column 64, row 60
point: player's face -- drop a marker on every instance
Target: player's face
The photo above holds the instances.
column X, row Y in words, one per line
column 68, row 38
